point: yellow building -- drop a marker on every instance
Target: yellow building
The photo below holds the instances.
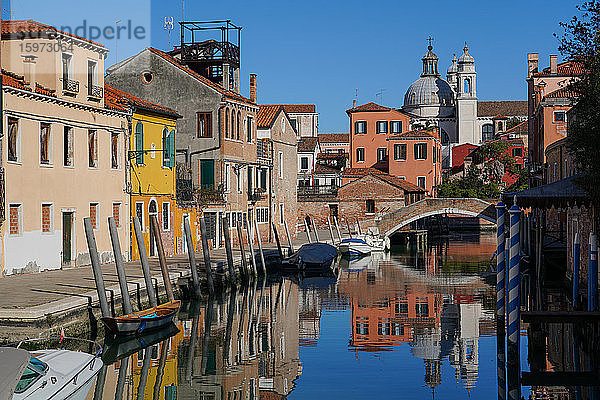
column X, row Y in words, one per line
column 151, row 176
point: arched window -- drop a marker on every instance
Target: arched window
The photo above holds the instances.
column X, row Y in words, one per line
column 227, row 122
column 487, row 132
column 445, row 137
column 166, row 150
column 467, row 86
column 239, row 123
column 232, row 124
column 139, row 143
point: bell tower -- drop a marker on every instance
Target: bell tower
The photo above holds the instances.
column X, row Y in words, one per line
column 466, row 99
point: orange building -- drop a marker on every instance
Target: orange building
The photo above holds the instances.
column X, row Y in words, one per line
column 416, row 157
column 370, row 126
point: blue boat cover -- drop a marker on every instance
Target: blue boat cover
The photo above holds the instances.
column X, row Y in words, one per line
column 353, row 240
column 317, row 253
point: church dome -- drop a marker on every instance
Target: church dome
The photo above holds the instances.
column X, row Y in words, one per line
column 453, row 68
column 429, row 90
column 466, row 57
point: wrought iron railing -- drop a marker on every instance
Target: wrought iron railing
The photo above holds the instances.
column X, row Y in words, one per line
column 210, row 194
column 70, row 85
column 95, row 91
column 318, row 190
column 257, row 194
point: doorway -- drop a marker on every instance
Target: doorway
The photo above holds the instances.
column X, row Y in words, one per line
column 152, row 210
column 67, row 238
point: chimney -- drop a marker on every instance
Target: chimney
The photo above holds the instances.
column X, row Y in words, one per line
column 553, row 64
column 253, row 88
column 226, row 77
column 353, row 103
column 236, row 80
column 29, row 71
column 532, row 63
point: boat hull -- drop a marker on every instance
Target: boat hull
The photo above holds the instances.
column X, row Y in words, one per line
column 143, row 321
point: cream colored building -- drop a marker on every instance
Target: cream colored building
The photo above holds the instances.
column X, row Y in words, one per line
column 63, row 150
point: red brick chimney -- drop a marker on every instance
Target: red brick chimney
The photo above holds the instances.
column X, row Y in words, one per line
column 554, row 64
column 253, row 88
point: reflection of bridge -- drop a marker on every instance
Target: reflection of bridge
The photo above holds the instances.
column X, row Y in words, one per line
column 391, row 222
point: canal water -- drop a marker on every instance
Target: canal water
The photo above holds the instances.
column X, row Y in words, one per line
column 410, row 324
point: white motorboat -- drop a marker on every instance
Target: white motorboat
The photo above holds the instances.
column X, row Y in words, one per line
column 49, row 374
column 355, row 247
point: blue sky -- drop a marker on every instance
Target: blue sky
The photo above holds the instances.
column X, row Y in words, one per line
column 320, row 52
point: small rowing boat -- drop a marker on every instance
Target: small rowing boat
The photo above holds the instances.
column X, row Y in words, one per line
column 145, row 320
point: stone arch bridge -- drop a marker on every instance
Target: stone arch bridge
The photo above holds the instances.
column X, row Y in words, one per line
column 393, row 221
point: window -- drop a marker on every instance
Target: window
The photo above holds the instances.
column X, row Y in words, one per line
column 68, row 146
column 383, row 327
column 249, row 124
column 281, row 165
column 500, row 126
column 207, row 173
column 362, row 325
column 116, row 214
column 91, row 78
column 434, row 152
column 294, row 123
column 303, row 162
column 139, row 212
column 262, row 215
column 239, row 122
column 239, row 179
column 32, row 373
column 400, row 151
column 487, row 132
column 47, row 218
column 227, row 122
column 517, row 152
column 360, row 154
column 204, row 125
column 94, row 215
column 13, row 139
column 93, row 149
column 166, row 215
column 261, row 178
column 420, row 151
column 139, row 143
column 114, row 150
column 15, row 218
column 67, row 70
column 360, row 127
column 227, row 178
column 560, row 116
column 467, row 86
column 370, row 206
column 168, row 144
column 281, row 213
column 45, row 143
column 401, row 308
column 422, row 308
column 421, row 182
column 396, row 126
column 382, row 126
column 381, row 154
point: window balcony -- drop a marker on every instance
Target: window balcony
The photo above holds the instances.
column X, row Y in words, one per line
column 70, row 86
column 257, row 194
column 317, row 190
column 95, row 92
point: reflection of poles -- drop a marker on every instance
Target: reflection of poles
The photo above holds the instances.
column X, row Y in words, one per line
column 124, row 363
column 192, row 347
column 161, row 367
column 100, row 381
column 593, row 274
column 514, row 384
column 501, row 360
column 576, row 260
column 206, row 342
column 144, row 373
column 229, row 253
column 144, row 260
column 260, row 248
column 229, row 327
column 500, row 265
column 241, row 325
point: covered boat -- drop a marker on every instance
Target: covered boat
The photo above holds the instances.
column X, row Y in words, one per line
column 145, row 320
column 314, row 256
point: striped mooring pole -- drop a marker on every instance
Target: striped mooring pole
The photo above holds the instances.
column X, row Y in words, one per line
column 593, row 274
column 514, row 304
column 500, row 262
column 576, row 261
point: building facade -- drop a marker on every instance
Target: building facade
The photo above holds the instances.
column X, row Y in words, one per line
column 304, row 119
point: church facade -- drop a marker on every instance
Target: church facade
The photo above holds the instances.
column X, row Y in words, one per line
column 452, row 106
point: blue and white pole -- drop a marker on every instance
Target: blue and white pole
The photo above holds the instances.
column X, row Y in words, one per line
column 514, row 304
column 593, row 274
column 576, row 260
column 500, row 260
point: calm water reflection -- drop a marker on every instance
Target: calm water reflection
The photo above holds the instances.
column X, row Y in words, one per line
column 410, row 324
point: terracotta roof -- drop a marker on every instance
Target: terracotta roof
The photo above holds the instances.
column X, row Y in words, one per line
column 325, row 169
column 227, row 93
column 267, row 113
column 357, row 172
column 18, row 81
column 562, row 93
column 521, row 129
column 43, row 90
column 27, row 26
column 414, row 134
column 334, row 137
column 401, row 183
column 299, row 108
column 368, row 107
column 307, row 144
column 508, row 108
column 569, row 68
column 119, row 100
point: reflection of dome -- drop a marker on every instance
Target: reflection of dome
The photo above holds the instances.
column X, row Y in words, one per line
column 429, row 90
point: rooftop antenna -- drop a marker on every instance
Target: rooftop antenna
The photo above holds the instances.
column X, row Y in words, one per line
column 430, row 40
column 380, row 94
column 168, row 25
column 183, row 10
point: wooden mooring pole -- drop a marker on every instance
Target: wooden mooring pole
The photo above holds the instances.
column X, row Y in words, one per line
column 206, row 252
column 312, row 220
column 191, row 255
column 307, row 231
column 162, row 260
column 114, row 238
column 91, row 242
column 337, row 227
column 244, row 264
column 144, row 260
column 228, row 252
column 250, row 235
column 330, row 231
column 289, row 238
column 260, row 248
column 276, row 235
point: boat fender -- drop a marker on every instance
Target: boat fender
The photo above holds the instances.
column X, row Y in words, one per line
column 142, row 327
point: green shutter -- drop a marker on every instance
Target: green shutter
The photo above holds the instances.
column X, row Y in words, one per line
column 207, row 173
column 139, row 143
column 172, row 147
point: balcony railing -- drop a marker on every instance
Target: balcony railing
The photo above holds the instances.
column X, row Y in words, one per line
column 256, row 195
column 95, row 91
column 70, row 85
column 210, row 194
column 318, row 190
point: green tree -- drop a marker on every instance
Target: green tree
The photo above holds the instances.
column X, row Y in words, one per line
column 580, row 43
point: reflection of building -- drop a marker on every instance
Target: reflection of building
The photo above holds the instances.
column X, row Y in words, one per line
column 309, row 317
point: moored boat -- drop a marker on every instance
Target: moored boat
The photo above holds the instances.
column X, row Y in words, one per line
column 355, row 247
column 313, row 256
column 145, row 320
